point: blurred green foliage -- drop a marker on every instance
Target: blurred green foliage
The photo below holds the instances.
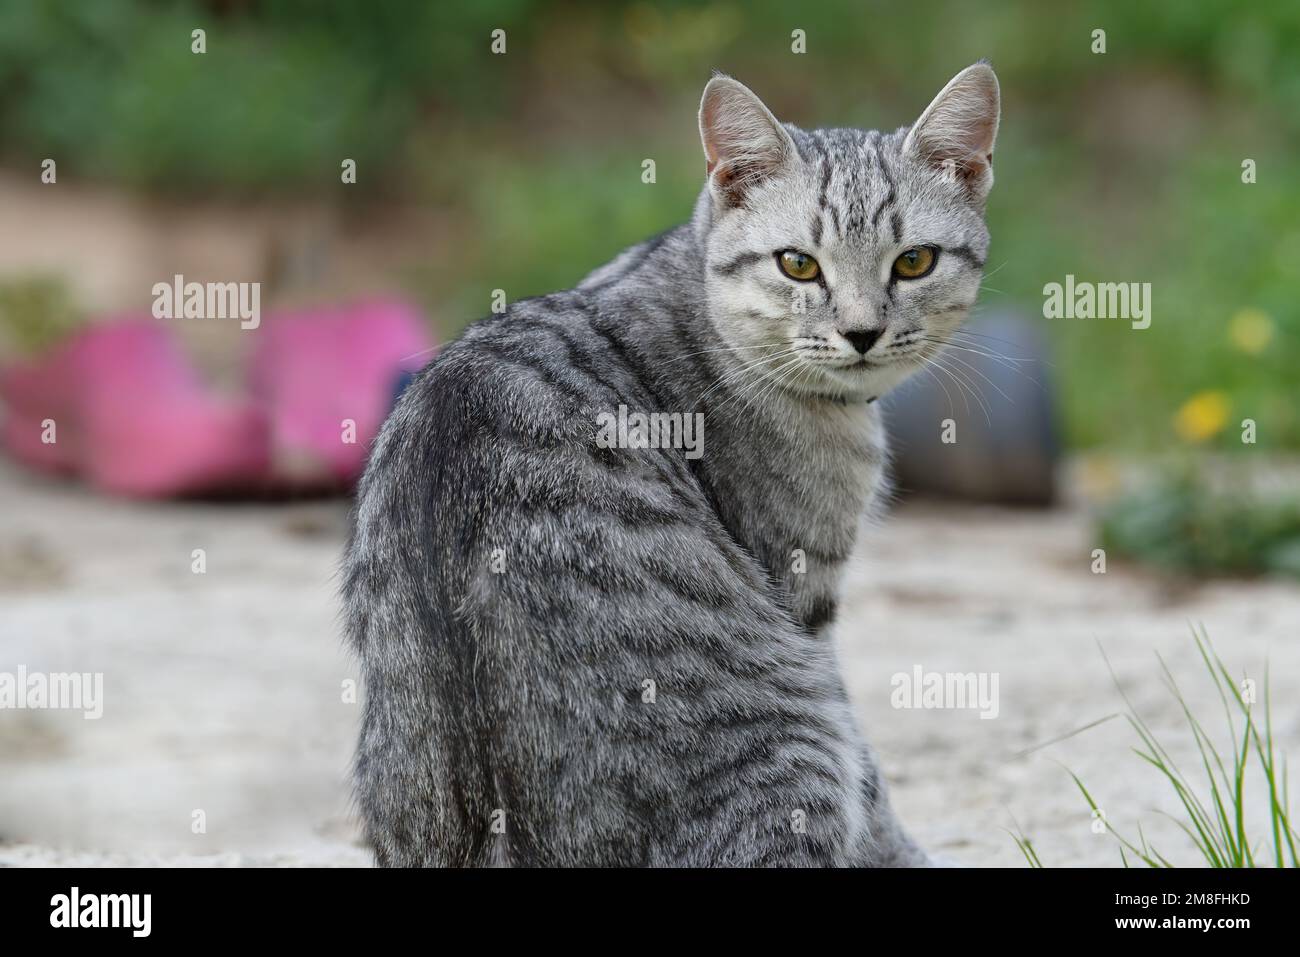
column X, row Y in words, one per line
column 1122, row 166
column 285, row 90
column 1184, row 526
column 36, row 313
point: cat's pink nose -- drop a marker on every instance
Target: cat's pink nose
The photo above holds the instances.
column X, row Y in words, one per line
column 863, row 339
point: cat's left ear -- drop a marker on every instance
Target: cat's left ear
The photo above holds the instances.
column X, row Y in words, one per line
column 956, row 132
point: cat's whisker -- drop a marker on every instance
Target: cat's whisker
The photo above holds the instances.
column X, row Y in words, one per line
column 729, row 378
column 930, row 372
column 959, row 377
column 981, row 374
column 1003, row 361
column 702, row 352
column 789, row 376
column 989, row 352
column 975, row 341
column 750, row 388
column 1000, row 360
column 738, row 372
column 730, row 375
column 968, row 334
column 971, row 337
column 960, row 390
column 1006, row 362
column 803, row 377
column 754, row 392
column 994, row 271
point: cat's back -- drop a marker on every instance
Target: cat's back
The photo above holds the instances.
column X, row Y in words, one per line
column 535, row 365
column 518, row 382
column 492, row 449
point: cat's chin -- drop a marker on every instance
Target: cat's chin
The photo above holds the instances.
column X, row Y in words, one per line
column 861, row 383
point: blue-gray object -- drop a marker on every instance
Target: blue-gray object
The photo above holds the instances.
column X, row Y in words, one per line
column 1006, row 450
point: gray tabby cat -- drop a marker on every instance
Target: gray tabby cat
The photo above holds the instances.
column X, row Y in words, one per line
column 580, row 655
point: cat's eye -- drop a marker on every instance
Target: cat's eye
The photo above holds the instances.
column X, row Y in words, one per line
column 798, row 265
column 915, row 262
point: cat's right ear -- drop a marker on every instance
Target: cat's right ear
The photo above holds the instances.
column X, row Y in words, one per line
column 744, row 143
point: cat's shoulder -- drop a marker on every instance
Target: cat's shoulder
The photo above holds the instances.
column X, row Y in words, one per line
column 537, row 373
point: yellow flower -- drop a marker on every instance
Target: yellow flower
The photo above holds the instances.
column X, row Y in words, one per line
column 1202, row 416
column 1251, row 330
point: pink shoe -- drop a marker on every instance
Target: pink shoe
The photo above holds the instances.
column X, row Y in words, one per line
column 132, row 416
column 39, row 407
column 326, row 379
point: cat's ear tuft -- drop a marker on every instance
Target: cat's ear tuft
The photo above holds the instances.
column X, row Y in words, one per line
column 744, row 143
column 956, row 132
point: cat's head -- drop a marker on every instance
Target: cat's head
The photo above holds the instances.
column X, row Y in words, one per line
column 840, row 260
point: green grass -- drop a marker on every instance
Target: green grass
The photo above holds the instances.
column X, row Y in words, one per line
column 1026, row 845
column 1214, row 799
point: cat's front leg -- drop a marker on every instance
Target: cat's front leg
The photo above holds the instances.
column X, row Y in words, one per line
column 886, row 843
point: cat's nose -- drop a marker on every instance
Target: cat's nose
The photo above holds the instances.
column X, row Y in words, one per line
column 862, row 339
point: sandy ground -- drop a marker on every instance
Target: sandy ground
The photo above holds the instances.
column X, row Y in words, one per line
column 224, row 692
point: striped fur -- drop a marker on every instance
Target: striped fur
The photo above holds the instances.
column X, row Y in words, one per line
column 577, row 655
